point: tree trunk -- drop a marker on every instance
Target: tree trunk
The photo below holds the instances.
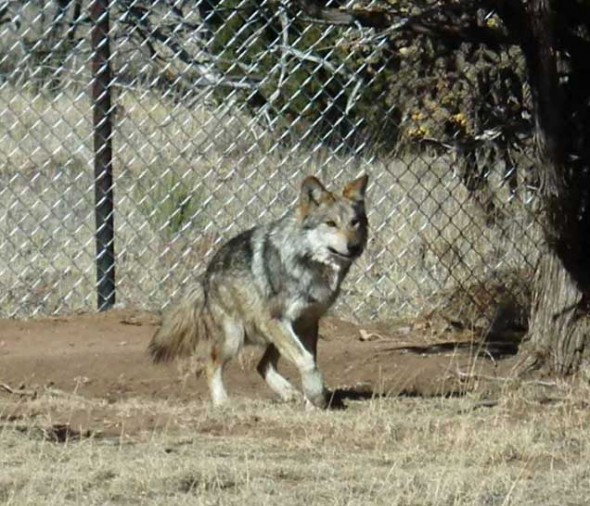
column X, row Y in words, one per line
column 559, row 336
column 558, row 332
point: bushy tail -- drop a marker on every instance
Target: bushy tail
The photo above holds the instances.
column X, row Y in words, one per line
column 182, row 328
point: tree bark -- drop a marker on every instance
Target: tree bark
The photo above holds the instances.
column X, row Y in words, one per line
column 559, row 335
column 559, row 330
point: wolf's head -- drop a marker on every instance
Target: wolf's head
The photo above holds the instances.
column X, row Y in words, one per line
column 335, row 224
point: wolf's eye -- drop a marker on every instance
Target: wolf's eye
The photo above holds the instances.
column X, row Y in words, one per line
column 331, row 223
column 354, row 222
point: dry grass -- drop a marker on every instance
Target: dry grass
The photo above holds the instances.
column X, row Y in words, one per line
column 532, row 448
column 427, row 234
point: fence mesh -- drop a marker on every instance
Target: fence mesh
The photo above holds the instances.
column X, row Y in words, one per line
column 219, row 110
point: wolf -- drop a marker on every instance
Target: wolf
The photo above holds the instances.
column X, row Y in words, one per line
column 269, row 286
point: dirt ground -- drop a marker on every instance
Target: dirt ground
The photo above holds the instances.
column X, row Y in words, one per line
column 103, row 357
column 431, row 418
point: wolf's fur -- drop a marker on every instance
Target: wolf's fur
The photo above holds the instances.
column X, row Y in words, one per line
column 270, row 285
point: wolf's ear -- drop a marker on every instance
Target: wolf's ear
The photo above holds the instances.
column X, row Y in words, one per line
column 312, row 194
column 312, row 191
column 355, row 190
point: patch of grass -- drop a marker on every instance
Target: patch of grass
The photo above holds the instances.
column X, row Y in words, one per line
column 400, row 451
column 169, row 202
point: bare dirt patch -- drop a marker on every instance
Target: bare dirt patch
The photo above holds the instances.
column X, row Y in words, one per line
column 102, row 357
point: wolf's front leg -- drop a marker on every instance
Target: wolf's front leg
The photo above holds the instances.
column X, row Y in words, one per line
column 267, row 368
column 302, row 353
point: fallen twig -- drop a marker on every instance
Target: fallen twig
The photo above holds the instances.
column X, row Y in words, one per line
column 464, row 376
column 488, row 403
column 21, row 392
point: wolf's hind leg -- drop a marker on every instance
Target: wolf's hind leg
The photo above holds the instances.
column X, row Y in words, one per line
column 267, row 368
column 227, row 347
column 215, row 368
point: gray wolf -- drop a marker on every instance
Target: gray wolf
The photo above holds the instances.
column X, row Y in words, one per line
column 270, row 286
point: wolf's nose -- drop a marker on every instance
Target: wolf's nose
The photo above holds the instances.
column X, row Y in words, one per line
column 355, row 249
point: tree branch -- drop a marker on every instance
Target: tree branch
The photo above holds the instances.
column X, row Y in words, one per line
column 452, row 23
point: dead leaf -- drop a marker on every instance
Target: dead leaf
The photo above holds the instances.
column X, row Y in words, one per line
column 365, row 335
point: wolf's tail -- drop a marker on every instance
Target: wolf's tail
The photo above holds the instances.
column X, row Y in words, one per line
column 182, row 328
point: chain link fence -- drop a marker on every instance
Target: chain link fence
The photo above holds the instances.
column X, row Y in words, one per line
column 220, row 107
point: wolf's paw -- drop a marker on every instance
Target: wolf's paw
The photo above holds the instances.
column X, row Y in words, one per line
column 319, row 401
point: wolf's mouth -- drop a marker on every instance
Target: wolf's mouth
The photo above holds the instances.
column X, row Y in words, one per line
column 338, row 254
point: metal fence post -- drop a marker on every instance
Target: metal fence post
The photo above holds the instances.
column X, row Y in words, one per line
column 103, row 163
